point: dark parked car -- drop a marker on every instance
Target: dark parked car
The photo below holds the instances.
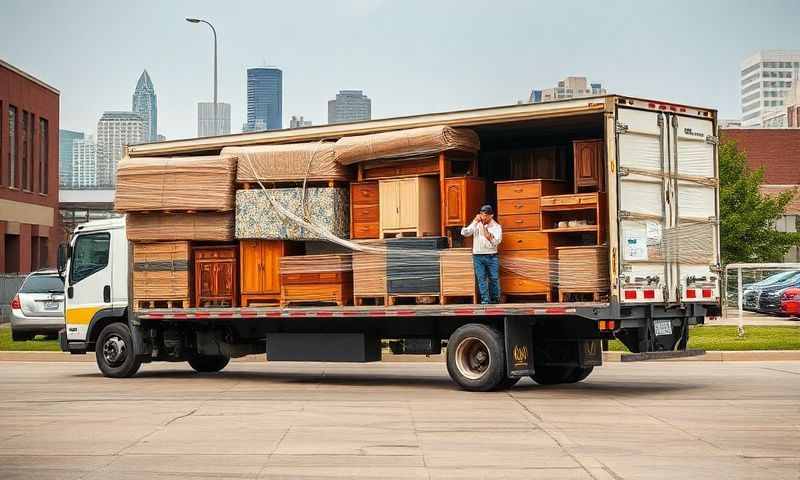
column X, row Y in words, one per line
column 769, row 301
column 38, row 306
column 752, row 291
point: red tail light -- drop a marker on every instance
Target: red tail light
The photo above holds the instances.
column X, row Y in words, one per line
column 630, row 294
column 691, row 293
column 650, row 294
column 15, row 304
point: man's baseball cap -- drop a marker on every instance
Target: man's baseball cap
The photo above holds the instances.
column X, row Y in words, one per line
column 487, row 209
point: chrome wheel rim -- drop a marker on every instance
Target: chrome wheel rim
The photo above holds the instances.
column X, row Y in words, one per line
column 472, row 358
column 114, row 350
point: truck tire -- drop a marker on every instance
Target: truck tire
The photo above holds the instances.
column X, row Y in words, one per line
column 208, row 363
column 114, row 352
column 554, row 375
column 476, row 358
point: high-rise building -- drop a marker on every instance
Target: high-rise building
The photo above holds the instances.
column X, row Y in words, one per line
column 144, row 103
column 570, row 87
column 84, row 163
column 765, row 79
column 207, row 126
column 297, row 122
column 115, row 130
column 65, row 139
column 349, row 106
column 264, row 99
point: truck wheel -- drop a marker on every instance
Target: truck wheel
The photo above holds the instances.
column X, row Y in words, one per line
column 476, row 358
column 114, row 352
column 208, row 363
column 579, row 374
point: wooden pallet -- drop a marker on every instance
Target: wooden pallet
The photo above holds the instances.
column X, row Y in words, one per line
column 524, row 297
column 450, row 299
column 260, row 300
column 370, row 300
column 596, row 295
column 408, row 234
column 162, row 303
column 419, row 298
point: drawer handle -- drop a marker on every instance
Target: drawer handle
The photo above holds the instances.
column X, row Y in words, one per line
column 518, row 190
column 519, row 241
column 519, row 205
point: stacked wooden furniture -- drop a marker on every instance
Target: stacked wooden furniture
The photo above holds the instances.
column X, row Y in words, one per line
column 457, row 276
column 526, row 252
column 583, row 270
column 413, row 268
column 161, row 275
column 315, row 279
column 369, row 274
column 364, row 213
column 463, row 196
column 216, row 276
column 259, row 263
column 589, row 165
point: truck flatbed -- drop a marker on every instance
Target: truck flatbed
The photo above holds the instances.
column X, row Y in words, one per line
column 589, row 309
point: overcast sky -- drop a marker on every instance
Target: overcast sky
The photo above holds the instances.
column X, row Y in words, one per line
column 408, row 56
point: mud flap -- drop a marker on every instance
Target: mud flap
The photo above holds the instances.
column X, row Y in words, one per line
column 519, row 347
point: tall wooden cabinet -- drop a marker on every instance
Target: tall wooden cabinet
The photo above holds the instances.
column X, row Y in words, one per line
column 409, row 206
column 259, row 262
column 215, row 276
column 463, row 196
column 589, row 164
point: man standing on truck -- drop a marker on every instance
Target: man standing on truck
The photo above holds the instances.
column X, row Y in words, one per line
column 487, row 236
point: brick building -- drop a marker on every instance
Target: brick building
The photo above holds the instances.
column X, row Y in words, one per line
column 29, row 222
column 777, row 151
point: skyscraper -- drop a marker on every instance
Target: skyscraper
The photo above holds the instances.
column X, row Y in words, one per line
column 297, row 122
column 84, row 163
column 65, row 139
column 766, row 78
column 144, row 103
column 207, row 126
column 114, row 131
column 349, row 106
column 570, row 87
column 264, row 99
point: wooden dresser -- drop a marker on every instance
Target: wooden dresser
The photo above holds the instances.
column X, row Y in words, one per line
column 309, row 279
column 364, row 210
column 408, row 207
column 215, row 276
column 259, row 262
column 525, row 251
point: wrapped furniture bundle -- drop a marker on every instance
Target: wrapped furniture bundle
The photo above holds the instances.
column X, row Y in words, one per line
column 161, row 274
column 295, row 162
column 256, row 216
column 200, row 226
column 175, row 183
column 413, row 142
column 317, row 279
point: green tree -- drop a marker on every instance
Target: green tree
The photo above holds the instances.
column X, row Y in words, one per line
column 747, row 217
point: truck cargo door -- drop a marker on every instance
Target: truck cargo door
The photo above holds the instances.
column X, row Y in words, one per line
column 647, row 271
column 694, row 240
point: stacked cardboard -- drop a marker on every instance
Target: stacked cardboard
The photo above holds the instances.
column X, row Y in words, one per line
column 161, row 273
column 583, row 269
column 200, row 226
column 295, row 162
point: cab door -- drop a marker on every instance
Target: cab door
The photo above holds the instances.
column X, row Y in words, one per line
column 88, row 282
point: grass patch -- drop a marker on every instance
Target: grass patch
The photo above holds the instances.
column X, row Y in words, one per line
column 38, row 344
column 725, row 337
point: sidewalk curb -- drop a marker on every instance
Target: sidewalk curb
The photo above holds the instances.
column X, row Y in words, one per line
column 608, row 357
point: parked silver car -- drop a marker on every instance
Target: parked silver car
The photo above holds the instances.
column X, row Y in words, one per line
column 38, row 307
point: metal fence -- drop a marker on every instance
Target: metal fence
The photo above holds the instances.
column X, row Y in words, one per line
column 9, row 285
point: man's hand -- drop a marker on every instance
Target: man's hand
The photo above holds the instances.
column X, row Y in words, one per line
column 477, row 219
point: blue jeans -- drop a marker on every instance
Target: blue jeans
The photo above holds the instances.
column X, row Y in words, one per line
column 487, row 271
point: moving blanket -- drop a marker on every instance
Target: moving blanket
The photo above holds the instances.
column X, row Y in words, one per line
column 256, row 217
column 288, row 163
column 200, row 226
column 405, row 143
column 175, row 183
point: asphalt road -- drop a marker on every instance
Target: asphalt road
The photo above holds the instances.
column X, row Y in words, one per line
column 398, row 420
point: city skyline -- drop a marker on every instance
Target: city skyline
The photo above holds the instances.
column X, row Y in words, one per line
column 488, row 55
column 145, row 103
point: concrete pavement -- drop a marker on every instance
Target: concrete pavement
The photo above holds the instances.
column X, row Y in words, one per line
column 392, row 420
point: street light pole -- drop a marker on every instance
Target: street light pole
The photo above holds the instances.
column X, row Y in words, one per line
column 214, row 31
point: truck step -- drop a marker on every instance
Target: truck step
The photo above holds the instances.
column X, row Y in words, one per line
column 645, row 356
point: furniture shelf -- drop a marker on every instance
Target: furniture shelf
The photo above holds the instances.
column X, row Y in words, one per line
column 583, row 228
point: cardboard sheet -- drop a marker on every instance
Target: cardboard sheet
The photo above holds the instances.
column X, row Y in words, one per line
column 288, row 163
column 405, row 143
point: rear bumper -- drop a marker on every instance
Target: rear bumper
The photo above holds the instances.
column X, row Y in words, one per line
column 44, row 325
column 790, row 307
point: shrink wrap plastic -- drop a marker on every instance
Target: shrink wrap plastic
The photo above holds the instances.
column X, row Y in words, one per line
column 175, row 183
column 161, row 271
column 200, row 226
column 256, row 216
column 405, row 143
column 294, row 162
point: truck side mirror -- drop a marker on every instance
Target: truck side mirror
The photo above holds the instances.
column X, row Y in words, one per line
column 63, row 255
